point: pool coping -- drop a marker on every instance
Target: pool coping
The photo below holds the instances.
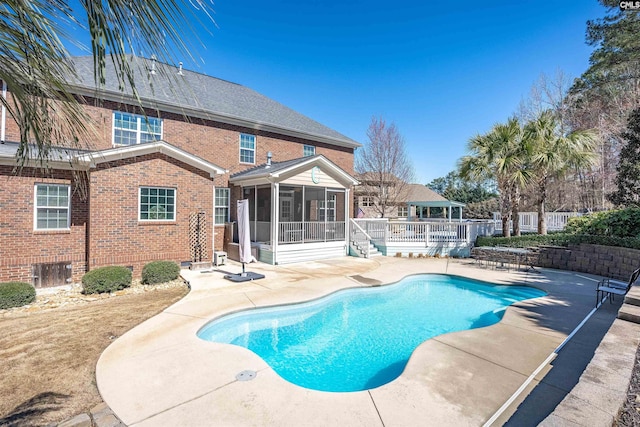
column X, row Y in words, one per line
column 161, row 373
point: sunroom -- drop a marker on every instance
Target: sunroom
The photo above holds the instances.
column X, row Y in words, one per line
column 298, row 209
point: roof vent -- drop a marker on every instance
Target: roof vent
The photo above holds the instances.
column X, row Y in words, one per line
column 180, row 69
column 153, row 65
column 269, row 158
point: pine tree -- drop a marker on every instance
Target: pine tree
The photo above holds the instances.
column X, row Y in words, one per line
column 628, row 179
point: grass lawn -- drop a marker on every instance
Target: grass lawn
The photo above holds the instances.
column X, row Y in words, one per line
column 48, row 358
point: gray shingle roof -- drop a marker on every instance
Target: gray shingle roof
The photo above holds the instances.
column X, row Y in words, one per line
column 422, row 193
column 199, row 95
column 274, row 168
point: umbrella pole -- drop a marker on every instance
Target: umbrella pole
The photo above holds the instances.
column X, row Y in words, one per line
column 243, row 269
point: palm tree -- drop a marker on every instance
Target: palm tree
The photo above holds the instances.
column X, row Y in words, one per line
column 36, row 66
column 500, row 154
column 554, row 154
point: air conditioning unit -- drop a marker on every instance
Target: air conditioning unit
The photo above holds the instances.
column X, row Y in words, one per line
column 219, row 258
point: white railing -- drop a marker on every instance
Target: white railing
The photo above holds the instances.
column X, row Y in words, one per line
column 383, row 232
column 359, row 238
column 311, row 231
column 556, row 221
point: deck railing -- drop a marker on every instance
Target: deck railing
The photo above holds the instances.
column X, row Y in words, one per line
column 383, row 232
column 556, row 221
column 311, row 231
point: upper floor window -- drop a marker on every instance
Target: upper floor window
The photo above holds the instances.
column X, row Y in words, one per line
column 308, row 150
column 131, row 129
column 157, row 204
column 221, row 206
column 366, row 201
column 52, row 207
column 247, row 148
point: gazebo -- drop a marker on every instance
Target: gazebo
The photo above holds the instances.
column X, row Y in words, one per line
column 422, row 197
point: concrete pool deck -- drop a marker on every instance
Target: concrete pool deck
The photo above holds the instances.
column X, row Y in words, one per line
column 160, row 373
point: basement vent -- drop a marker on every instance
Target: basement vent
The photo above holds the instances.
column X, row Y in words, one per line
column 51, row 274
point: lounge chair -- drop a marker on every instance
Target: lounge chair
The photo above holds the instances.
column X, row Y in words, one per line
column 612, row 287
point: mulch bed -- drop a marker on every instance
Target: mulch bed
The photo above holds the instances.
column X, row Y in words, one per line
column 629, row 414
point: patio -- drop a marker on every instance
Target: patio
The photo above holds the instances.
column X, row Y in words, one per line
column 160, row 373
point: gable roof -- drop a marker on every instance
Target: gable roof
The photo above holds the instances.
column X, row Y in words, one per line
column 67, row 158
column 186, row 92
column 277, row 171
column 422, row 193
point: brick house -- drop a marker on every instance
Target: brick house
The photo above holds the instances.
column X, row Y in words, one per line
column 154, row 183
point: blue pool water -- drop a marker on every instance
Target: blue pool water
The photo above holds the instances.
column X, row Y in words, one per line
column 358, row 339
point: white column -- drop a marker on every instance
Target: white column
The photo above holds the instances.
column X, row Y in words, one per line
column 347, row 222
column 275, row 219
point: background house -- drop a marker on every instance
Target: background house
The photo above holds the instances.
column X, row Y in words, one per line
column 152, row 175
column 403, row 200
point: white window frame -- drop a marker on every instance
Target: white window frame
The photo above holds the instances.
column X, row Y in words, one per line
column 227, row 206
column 308, row 150
column 403, row 211
column 367, row 201
column 37, row 207
column 247, row 150
column 175, row 204
column 141, row 121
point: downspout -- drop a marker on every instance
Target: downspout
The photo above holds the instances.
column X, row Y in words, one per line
column 4, row 112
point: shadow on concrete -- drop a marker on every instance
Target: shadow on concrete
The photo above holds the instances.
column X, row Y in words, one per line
column 566, row 370
column 30, row 413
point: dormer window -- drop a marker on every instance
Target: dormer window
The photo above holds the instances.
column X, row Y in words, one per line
column 132, row 129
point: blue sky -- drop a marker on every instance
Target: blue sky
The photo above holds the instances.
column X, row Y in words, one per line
column 443, row 71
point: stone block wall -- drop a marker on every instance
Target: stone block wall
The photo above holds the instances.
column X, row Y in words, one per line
column 608, row 261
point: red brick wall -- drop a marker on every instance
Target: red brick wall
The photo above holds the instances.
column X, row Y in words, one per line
column 20, row 245
column 116, row 235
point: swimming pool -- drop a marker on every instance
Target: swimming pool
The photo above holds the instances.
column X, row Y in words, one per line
column 358, row 339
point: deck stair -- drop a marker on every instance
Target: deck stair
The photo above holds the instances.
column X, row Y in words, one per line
column 630, row 309
column 361, row 249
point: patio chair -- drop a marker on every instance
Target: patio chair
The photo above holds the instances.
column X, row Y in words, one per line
column 612, row 287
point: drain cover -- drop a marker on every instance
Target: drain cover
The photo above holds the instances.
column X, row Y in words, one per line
column 246, row 375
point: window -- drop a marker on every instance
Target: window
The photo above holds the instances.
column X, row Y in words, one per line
column 330, row 212
column 221, row 206
column 157, row 204
column 403, row 211
column 131, row 129
column 366, row 201
column 247, row 148
column 308, row 150
column 52, row 206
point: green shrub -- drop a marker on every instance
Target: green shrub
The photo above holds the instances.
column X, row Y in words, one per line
column 16, row 294
column 558, row 239
column 616, row 223
column 160, row 272
column 106, row 279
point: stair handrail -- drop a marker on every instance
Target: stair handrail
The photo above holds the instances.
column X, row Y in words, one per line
column 353, row 233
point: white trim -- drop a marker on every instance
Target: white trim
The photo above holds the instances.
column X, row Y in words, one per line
column 228, row 206
column 335, row 172
column 91, row 160
column 139, row 121
column 240, row 148
column 175, row 204
column 35, row 206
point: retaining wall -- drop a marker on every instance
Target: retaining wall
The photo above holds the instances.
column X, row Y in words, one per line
column 608, row 261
